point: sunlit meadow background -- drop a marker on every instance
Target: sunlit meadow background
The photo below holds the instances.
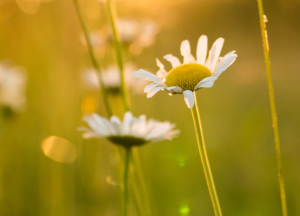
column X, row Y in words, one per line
column 45, row 38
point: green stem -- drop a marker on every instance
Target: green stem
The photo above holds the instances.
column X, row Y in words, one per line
column 204, row 159
column 92, row 56
column 125, row 182
column 140, row 182
column 118, row 49
column 273, row 107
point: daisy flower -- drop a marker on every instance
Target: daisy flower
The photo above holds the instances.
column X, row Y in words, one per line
column 134, row 131
column 12, row 86
column 111, row 79
column 138, row 33
column 192, row 74
column 134, row 33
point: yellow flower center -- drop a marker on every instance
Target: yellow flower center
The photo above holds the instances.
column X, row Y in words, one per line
column 187, row 76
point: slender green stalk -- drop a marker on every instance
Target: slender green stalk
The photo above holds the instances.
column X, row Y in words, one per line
column 92, row 55
column 204, row 159
column 118, row 49
column 264, row 35
column 126, row 206
column 140, row 182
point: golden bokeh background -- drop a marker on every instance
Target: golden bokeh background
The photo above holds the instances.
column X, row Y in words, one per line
column 44, row 37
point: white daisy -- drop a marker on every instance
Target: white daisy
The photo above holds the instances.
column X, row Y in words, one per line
column 111, row 79
column 134, row 131
column 137, row 32
column 192, row 74
column 134, row 33
column 12, row 86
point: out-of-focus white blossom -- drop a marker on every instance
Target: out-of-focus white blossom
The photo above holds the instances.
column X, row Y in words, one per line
column 13, row 81
column 111, row 79
column 134, row 33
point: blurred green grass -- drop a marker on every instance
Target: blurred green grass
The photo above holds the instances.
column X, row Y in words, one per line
column 235, row 113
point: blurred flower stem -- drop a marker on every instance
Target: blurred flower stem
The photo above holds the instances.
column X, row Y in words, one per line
column 263, row 20
column 204, row 159
column 92, row 55
column 126, row 206
column 140, row 182
column 118, row 49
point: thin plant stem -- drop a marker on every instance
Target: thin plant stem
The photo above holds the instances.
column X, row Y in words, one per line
column 92, row 56
column 140, row 181
column 263, row 20
column 118, row 49
column 126, row 206
column 204, row 159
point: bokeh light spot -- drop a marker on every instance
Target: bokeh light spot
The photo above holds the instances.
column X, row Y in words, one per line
column 59, row 149
column 184, row 210
column 88, row 104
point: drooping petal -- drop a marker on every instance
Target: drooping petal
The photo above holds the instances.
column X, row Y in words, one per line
column 174, row 89
column 127, row 122
column 150, row 87
column 88, row 135
column 161, row 74
column 117, row 124
column 142, row 74
column 185, row 50
column 209, row 80
column 174, row 60
column 208, row 84
column 214, row 54
column 159, row 64
column 225, row 62
column 189, row 98
column 154, row 91
column 104, row 123
column 99, row 129
column 202, row 49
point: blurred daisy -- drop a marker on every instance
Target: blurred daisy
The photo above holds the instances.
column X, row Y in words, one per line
column 192, row 74
column 12, row 86
column 133, row 131
column 136, row 34
column 111, row 79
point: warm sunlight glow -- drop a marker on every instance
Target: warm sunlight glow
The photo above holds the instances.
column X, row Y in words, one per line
column 59, row 149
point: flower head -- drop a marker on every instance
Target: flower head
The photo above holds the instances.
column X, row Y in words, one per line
column 12, row 86
column 193, row 74
column 134, row 131
column 134, row 33
column 111, row 79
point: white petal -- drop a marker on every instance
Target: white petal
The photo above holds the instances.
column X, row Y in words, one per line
column 117, row 124
column 88, row 135
column 174, row 89
column 161, row 74
column 214, row 54
column 202, row 49
column 146, row 75
column 127, row 122
column 185, row 50
column 159, row 64
column 174, row 60
column 99, row 129
column 226, row 61
column 205, row 80
column 154, row 91
column 189, row 98
column 104, row 123
column 150, row 87
column 208, row 84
